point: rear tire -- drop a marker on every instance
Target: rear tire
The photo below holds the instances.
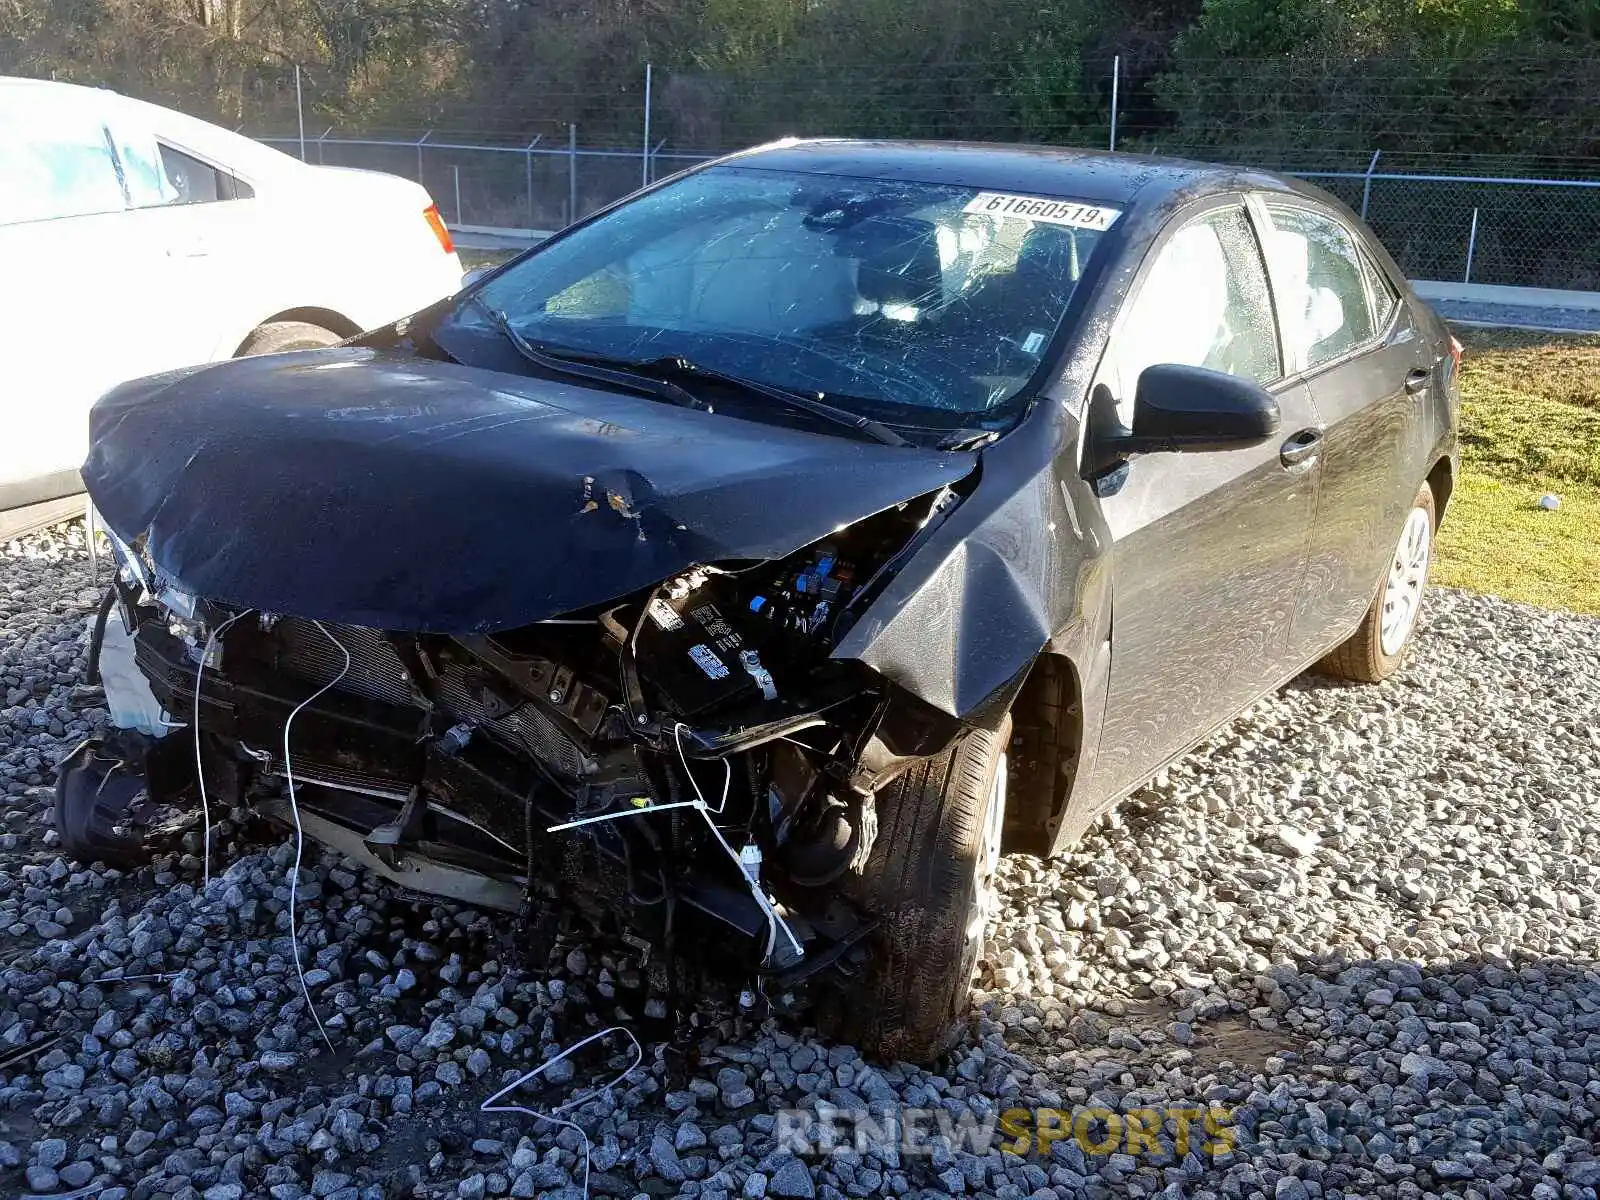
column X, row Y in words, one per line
column 929, row 881
column 275, row 337
column 1376, row 650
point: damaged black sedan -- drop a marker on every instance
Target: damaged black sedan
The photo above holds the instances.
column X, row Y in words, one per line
column 755, row 561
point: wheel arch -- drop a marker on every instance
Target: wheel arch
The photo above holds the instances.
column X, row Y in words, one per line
column 328, row 318
column 1047, row 737
column 1442, row 482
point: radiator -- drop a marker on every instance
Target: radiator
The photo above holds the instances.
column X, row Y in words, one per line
column 377, row 673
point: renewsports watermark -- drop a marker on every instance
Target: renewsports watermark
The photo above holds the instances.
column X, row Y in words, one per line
column 914, row 1132
column 1165, row 1134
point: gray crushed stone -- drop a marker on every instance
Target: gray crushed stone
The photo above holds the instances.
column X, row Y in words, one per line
column 1365, row 922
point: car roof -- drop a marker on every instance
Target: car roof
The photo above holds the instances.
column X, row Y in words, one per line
column 1094, row 175
column 16, row 86
column 233, row 151
column 25, row 81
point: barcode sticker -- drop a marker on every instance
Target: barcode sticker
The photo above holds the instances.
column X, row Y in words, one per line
column 1038, row 208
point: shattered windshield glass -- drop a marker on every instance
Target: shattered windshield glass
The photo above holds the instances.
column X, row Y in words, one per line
column 928, row 304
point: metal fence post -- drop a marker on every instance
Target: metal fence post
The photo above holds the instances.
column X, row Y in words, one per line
column 455, row 170
column 1366, row 187
column 322, row 156
column 1472, row 245
column 645, row 166
column 528, row 155
column 1116, row 84
column 300, row 111
column 420, row 140
column 572, row 174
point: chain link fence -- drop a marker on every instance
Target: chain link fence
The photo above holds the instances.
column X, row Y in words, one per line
column 1491, row 219
column 530, row 186
column 1481, row 229
column 1525, row 232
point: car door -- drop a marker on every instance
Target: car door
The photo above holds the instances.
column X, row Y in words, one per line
column 188, row 228
column 1208, row 548
column 70, row 308
column 1369, row 370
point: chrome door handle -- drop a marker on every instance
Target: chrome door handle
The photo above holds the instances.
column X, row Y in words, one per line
column 1417, row 380
column 1303, row 447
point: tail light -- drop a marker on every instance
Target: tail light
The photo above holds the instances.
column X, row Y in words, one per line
column 440, row 231
column 1455, row 353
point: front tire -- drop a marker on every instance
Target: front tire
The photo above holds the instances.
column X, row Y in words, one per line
column 275, row 337
column 1376, row 650
column 930, row 882
column 100, row 790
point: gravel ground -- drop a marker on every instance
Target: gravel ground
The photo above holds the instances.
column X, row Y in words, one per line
column 1365, row 920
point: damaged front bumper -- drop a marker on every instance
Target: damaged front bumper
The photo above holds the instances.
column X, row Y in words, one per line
column 718, row 800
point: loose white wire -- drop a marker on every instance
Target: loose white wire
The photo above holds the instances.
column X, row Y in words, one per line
column 775, row 920
column 698, row 802
column 199, row 764
column 619, row 815
column 773, row 917
column 299, row 836
column 727, row 779
column 492, row 1105
column 727, row 782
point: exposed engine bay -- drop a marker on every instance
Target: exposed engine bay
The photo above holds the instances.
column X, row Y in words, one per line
column 687, row 751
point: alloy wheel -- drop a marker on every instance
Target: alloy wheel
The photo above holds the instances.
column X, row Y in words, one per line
column 986, row 896
column 1402, row 591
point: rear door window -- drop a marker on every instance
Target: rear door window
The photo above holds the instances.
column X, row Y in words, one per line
column 1381, row 292
column 1321, row 286
column 141, row 167
column 194, row 181
column 159, row 174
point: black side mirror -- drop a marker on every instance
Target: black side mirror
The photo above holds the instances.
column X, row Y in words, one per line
column 1178, row 408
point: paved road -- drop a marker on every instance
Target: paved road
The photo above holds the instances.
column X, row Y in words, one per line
column 1520, row 315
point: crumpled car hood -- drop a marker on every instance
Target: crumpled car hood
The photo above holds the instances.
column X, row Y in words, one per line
column 399, row 493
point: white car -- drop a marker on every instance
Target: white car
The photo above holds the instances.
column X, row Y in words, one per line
column 134, row 240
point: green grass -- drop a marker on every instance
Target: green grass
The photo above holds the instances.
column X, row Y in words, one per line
column 1530, row 424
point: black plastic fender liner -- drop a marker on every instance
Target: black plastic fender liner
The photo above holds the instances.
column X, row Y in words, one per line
column 109, row 786
column 92, row 796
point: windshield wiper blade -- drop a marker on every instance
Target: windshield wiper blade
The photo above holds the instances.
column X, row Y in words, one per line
column 576, row 367
column 969, row 439
column 805, row 401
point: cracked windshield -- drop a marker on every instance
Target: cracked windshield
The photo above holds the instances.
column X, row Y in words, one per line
column 924, row 305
